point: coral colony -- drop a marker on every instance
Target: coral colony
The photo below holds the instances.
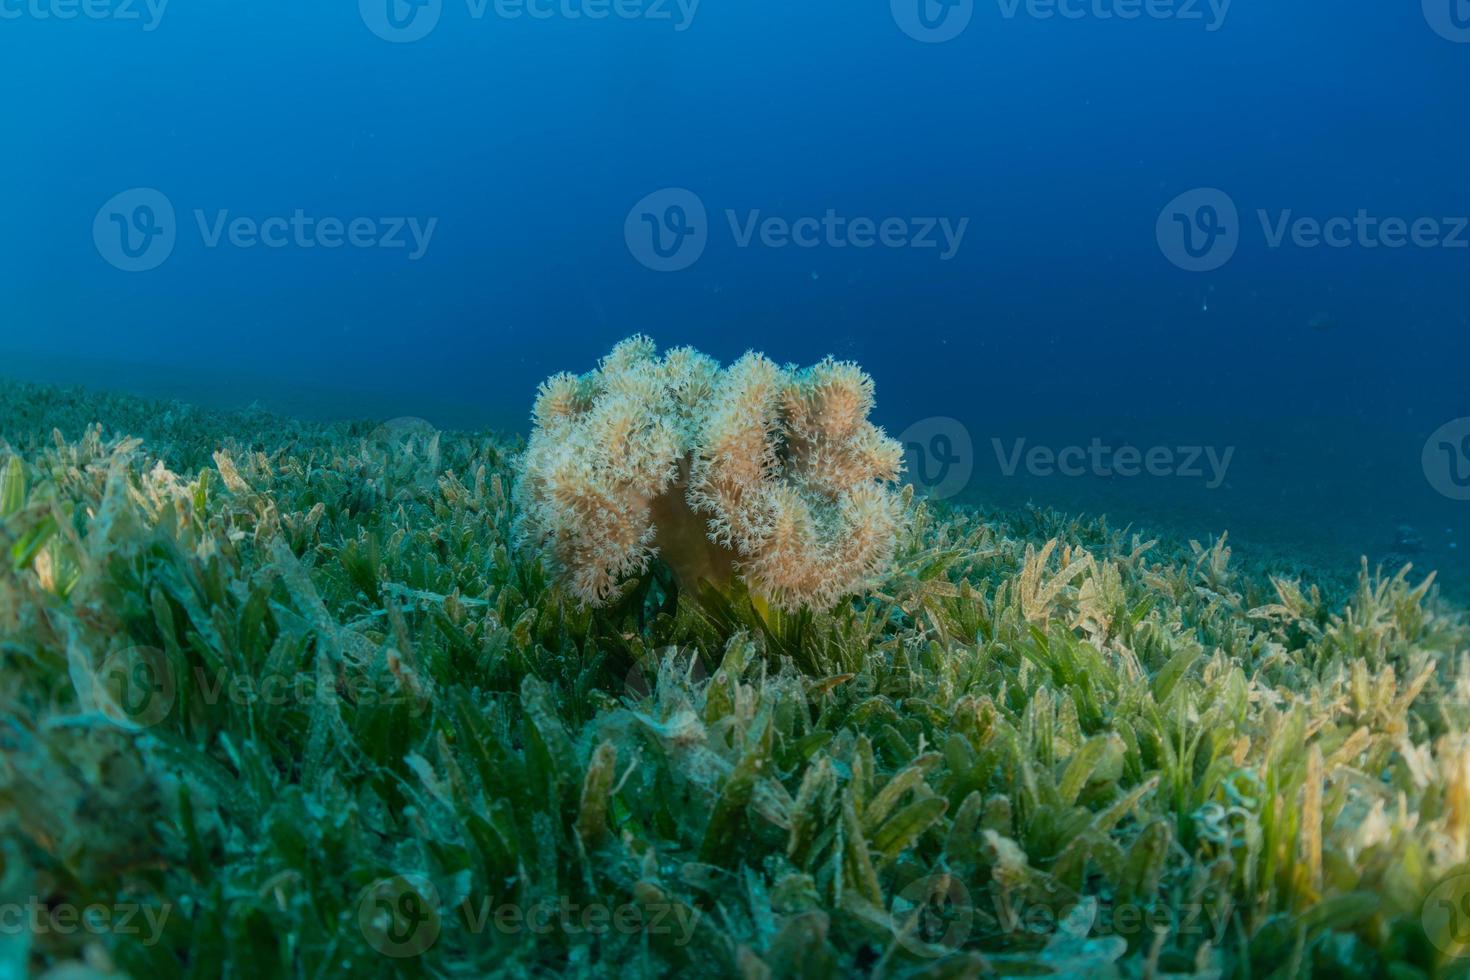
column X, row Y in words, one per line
column 768, row 473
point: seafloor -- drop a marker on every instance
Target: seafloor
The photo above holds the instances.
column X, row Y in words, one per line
column 280, row 699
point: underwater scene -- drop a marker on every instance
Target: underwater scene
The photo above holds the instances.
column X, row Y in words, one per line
column 904, row 488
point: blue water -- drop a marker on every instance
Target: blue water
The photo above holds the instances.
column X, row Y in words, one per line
column 1056, row 312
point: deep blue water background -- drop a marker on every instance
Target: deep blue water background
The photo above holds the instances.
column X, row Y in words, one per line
column 1060, row 318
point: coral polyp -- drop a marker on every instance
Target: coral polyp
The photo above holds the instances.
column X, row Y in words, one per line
column 767, row 473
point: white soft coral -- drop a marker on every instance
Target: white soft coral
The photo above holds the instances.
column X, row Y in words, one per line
column 766, row 472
